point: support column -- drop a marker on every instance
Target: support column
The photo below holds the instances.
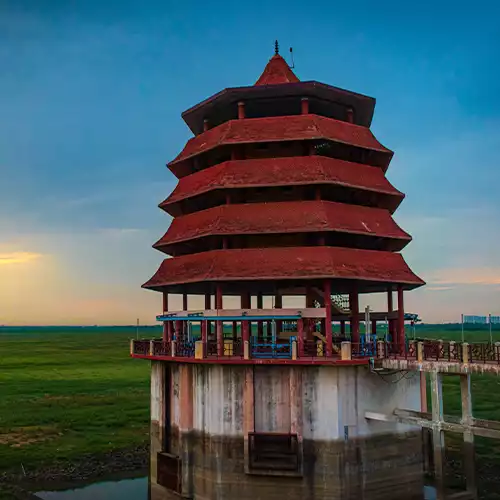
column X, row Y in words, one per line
column 241, row 110
column 235, row 331
column 354, row 306
column 245, row 325
column 296, row 408
column 184, row 324
column 300, row 336
column 390, row 309
column 208, row 306
column 165, row 323
column 186, row 424
column 438, row 443
column 248, row 411
column 468, row 445
column 327, row 297
column 350, row 115
column 401, row 321
column 374, row 327
column 304, row 106
column 219, row 325
column 260, row 323
column 278, row 304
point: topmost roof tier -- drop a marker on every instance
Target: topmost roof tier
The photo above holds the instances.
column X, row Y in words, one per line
column 278, row 92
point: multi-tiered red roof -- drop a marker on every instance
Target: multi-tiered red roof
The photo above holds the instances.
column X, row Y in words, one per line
column 282, row 186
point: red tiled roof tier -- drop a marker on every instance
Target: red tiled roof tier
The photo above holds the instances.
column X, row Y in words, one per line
column 277, row 71
column 280, row 128
column 283, row 217
column 300, row 170
column 292, row 263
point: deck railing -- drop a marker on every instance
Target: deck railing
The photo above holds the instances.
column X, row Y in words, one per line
column 427, row 350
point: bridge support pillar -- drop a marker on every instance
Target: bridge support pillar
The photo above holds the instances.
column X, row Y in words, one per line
column 468, row 445
column 438, row 443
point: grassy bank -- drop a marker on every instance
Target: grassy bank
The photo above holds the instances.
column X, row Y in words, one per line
column 65, row 394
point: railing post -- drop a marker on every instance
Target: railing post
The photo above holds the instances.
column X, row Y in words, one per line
column 380, row 349
column 440, row 349
column 451, row 349
column 151, row 347
column 131, row 346
column 411, row 347
column 198, row 349
column 420, row 351
column 300, row 334
column 173, row 348
column 346, row 351
column 294, row 349
column 465, row 352
column 319, row 348
column 246, row 349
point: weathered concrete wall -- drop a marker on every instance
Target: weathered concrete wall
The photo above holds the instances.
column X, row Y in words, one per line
column 345, row 456
column 157, row 413
column 272, row 404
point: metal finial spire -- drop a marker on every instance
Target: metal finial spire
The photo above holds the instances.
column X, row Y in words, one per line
column 276, row 48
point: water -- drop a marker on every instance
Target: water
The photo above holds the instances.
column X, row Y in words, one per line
column 126, row 489
column 429, row 493
column 130, row 489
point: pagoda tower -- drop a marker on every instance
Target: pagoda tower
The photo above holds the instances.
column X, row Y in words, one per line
column 282, row 199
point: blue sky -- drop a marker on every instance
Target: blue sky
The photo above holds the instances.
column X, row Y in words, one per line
column 91, row 94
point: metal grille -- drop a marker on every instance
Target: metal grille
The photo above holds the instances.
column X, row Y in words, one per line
column 273, row 451
column 169, row 472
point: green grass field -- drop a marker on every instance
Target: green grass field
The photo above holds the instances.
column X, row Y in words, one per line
column 65, row 393
column 68, row 393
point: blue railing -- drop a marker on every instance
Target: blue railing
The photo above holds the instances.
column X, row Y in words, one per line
column 271, row 350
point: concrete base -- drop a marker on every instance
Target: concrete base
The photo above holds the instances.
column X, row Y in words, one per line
column 204, row 414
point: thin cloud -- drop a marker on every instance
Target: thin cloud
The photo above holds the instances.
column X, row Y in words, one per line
column 18, row 258
column 439, row 288
column 466, row 276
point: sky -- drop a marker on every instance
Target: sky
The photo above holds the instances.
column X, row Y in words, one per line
column 91, row 94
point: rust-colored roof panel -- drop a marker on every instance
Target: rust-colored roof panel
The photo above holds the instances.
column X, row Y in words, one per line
column 301, row 170
column 277, row 71
column 281, row 128
column 306, row 263
column 283, row 217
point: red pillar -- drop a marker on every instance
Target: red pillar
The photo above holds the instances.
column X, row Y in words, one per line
column 300, row 337
column 260, row 323
column 374, row 327
column 401, row 320
column 350, row 115
column 235, row 330
column 342, row 328
column 184, row 308
column 219, row 327
column 304, row 106
column 278, row 304
column 208, row 324
column 354, row 306
column 241, row 110
column 390, row 309
column 245, row 325
column 204, row 332
column 309, row 297
column 165, row 323
column 327, row 297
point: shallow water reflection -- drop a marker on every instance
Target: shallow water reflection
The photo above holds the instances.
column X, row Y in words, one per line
column 126, row 489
